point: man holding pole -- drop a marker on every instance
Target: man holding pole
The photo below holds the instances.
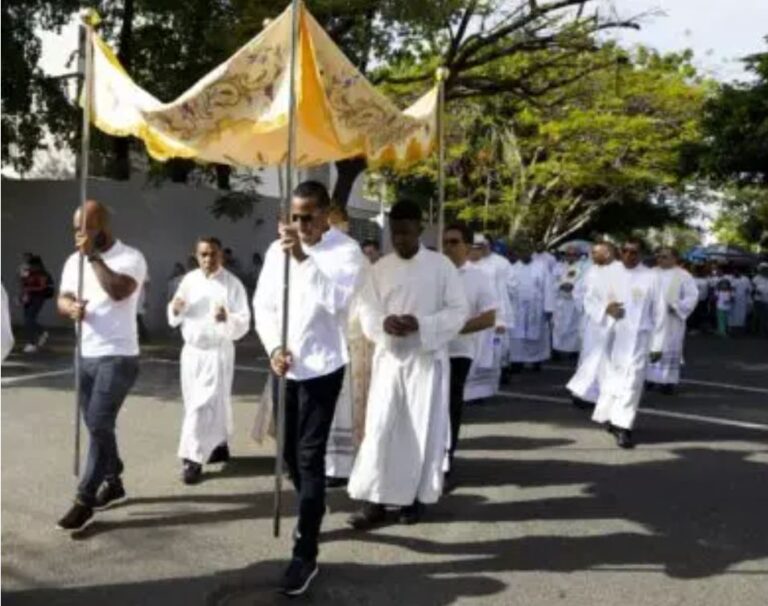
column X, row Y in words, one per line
column 110, row 350
column 325, row 266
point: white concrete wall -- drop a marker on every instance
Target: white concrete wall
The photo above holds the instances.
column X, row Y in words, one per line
column 162, row 222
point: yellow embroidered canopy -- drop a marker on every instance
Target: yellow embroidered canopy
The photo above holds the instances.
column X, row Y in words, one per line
column 238, row 113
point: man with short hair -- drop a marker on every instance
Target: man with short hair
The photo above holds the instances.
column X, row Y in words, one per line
column 584, row 385
column 412, row 307
column 211, row 306
column 112, row 275
column 325, row 266
column 371, row 250
column 632, row 307
column 567, row 320
column 457, row 239
column 681, row 295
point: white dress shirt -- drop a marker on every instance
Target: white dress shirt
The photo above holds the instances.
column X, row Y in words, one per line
column 321, row 289
column 481, row 298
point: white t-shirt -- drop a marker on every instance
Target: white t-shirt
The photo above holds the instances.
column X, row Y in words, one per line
column 109, row 327
column 481, row 297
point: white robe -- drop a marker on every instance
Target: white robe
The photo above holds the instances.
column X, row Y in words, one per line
column 403, row 453
column 585, row 383
column 630, row 340
column 567, row 318
column 682, row 296
column 534, row 296
column 742, row 291
column 485, row 372
column 7, row 334
column 208, row 358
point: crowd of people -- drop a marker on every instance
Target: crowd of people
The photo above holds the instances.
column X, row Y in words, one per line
column 383, row 352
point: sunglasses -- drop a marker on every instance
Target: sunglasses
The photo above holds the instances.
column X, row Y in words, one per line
column 302, row 218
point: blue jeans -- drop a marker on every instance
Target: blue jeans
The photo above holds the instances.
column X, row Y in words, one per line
column 104, row 382
column 32, row 309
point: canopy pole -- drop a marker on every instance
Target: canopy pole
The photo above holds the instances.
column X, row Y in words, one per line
column 440, row 75
column 88, row 20
column 286, row 214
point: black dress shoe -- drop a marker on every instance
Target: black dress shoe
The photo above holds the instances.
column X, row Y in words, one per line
column 335, row 482
column 580, row 404
column 370, row 516
column 624, row 438
column 610, row 428
column 220, row 454
column 191, row 472
column 411, row 514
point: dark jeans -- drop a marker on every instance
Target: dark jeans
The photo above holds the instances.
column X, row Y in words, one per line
column 104, row 382
column 309, row 409
column 459, row 372
column 32, row 308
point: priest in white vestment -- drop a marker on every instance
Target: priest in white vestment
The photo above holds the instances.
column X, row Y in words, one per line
column 567, row 318
column 742, row 300
column 211, row 306
column 485, row 374
column 533, row 302
column 682, row 296
column 633, row 308
column 412, row 306
column 585, row 383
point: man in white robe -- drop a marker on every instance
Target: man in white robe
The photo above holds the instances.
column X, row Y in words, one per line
column 585, row 383
column 682, row 296
column 633, row 308
column 485, row 374
column 211, row 306
column 542, row 255
column 567, row 318
column 533, row 303
column 742, row 300
column 411, row 307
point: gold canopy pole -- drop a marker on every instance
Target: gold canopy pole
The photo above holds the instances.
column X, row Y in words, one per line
column 441, row 75
column 286, row 214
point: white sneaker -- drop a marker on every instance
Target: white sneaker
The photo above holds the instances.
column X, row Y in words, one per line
column 43, row 339
column 30, row 348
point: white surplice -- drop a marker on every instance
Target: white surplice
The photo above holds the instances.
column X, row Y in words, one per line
column 567, row 318
column 585, row 383
column 208, row 357
column 682, row 295
column 630, row 340
column 403, row 452
column 742, row 294
column 485, row 372
column 533, row 296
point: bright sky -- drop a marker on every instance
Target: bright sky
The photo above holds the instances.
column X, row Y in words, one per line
column 718, row 31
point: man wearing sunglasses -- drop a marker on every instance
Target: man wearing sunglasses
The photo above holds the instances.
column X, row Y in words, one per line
column 476, row 337
column 325, row 267
column 631, row 305
column 682, row 297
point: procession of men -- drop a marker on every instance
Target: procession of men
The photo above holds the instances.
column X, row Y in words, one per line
column 383, row 352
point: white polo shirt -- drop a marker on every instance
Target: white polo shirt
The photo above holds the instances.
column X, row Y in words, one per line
column 481, row 297
column 109, row 327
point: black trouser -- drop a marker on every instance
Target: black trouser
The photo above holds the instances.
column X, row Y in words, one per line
column 309, row 409
column 459, row 372
column 32, row 309
column 104, row 384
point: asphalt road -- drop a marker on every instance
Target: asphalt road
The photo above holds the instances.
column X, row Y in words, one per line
column 548, row 510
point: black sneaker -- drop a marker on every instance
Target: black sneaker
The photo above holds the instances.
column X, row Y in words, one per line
column 624, row 438
column 192, row 472
column 298, row 576
column 110, row 493
column 372, row 514
column 77, row 518
column 411, row 514
column 220, row 454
